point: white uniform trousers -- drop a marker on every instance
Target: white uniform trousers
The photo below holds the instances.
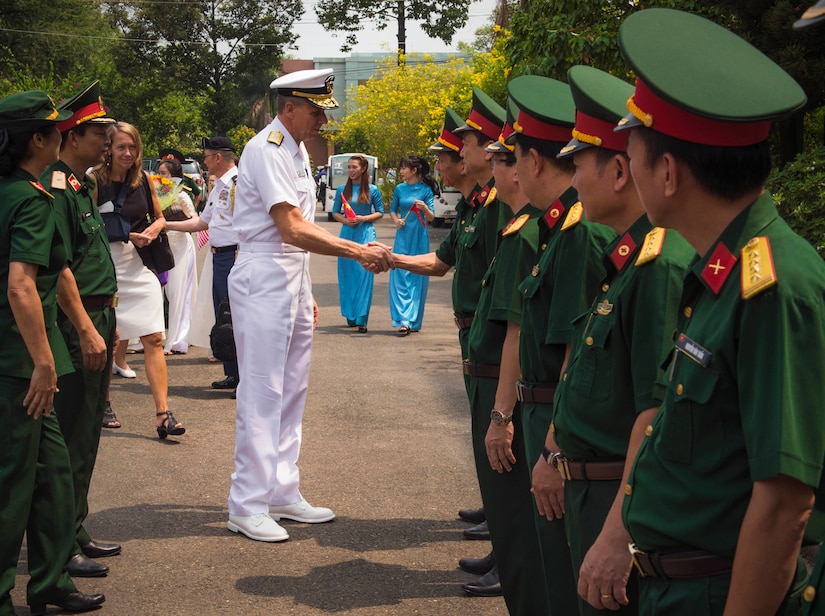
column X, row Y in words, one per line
column 270, row 295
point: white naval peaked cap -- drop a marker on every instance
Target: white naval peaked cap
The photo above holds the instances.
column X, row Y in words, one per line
column 313, row 85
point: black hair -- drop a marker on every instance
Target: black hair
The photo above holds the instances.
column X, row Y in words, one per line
column 420, row 165
column 726, row 172
column 547, row 150
column 80, row 129
column 175, row 168
column 454, row 156
column 605, row 155
column 14, row 148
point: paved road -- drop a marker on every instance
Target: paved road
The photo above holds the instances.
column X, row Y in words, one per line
column 386, row 445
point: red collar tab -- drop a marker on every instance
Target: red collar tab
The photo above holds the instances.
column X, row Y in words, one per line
column 554, row 214
column 664, row 117
column 599, row 133
column 481, row 196
column 529, row 126
column 74, row 183
column 485, row 126
column 718, row 267
column 621, row 253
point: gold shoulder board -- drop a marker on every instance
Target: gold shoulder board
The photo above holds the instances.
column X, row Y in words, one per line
column 573, row 216
column 652, row 246
column 58, row 180
column 758, row 271
column 275, row 137
column 491, row 196
column 516, row 225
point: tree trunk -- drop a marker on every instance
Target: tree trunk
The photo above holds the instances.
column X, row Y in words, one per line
column 402, row 33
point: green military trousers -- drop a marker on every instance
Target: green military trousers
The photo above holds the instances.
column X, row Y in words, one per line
column 551, row 535
column 79, row 405
column 509, row 506
column 35, row 498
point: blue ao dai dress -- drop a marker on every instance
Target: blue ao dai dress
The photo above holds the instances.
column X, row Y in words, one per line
column 354, row 282
column 408, row 291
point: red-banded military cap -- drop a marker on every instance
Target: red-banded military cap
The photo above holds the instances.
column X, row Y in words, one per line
column 600, row 100
column 87, row 106
column 545, row 108
column 447, row 140
column 501, row 144
column 171, row 154
column 486, row 116
column 698, row 82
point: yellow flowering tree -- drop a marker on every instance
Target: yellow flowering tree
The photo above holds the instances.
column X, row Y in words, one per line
column 400, row 109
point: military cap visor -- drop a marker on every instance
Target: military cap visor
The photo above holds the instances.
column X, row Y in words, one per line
column 217, row 143
column 29, row 110
column 721, row 92
column 546, row 109
column 315, row 86
column 447, row 140
column 86, row 106
column 812, row 16
column 501, row 145
column 600, row 100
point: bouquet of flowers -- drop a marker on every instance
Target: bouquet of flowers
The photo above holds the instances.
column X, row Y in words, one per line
column 172, row 202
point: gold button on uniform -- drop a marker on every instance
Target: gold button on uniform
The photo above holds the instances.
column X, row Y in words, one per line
column 688, row 311
column 648, row 430
column 605, row 287
column 564, row 378
column 679, row 389
column 589, row 341
column 628, row 489
column 809, row 593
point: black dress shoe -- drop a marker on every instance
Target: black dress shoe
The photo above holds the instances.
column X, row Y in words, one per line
column 473, row 516
column 478, row 566
column 488, row 585
column 99, row 549
column 477, row 532
column 230, row 382
column 81, row 565
column 73, row 602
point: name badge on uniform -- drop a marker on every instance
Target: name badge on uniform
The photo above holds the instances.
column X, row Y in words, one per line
column 694, row 350
column 604, row 308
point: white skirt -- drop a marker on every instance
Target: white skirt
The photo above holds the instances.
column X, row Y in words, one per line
column 180, row 290
column 140, row 299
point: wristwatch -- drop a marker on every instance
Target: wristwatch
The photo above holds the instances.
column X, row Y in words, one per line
column 499, row 418
column 551, row 457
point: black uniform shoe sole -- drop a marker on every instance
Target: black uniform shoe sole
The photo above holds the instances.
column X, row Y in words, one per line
column 488, row 585
column 478, row 566
column 473, row 516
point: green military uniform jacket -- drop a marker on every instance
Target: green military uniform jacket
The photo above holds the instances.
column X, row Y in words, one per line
column 500, row 301
column 743, row 392
column 78, row 218
column 619, row 343
column 559, row 287
column 29, row 235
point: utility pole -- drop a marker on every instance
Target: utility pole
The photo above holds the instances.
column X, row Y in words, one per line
column 402, row 33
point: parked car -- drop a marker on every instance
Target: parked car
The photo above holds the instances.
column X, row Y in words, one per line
column 444, row 203
column 191, row 167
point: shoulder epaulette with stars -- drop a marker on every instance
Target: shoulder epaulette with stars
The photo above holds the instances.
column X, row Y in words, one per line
column 573, row 216
column 276, row 137
column 58, row 180
column 758, row 271
column 515, row 225
column 652, row 246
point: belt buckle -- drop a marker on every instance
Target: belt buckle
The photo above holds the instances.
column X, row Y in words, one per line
column 114, row 301
column 520, row 392
column 634, row 551
column 457, row 322
column 561, row 464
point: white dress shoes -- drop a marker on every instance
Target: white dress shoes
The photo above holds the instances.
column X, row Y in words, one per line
column 126, row 373
column 301, row 512
column 259, row 527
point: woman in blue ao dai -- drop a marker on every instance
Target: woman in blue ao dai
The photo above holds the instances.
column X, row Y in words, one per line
column 412, row 205
column 357, row 205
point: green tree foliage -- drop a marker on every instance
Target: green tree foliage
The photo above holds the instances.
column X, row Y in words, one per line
column 439, row 18
column 226, row 49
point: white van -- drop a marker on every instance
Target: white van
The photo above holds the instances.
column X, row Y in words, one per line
column 445, row 203
column 337, row 176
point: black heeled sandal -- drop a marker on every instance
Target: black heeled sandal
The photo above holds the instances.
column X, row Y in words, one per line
column 170, row 426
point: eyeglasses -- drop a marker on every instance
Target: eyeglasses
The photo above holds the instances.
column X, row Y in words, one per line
column 207, row 155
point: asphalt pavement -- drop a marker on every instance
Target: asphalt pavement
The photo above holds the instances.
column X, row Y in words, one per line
column 386, row 445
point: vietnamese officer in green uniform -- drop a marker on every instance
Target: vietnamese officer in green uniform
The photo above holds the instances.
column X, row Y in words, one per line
column 559, row 287
column 35, row 471
column 470, row 245
column 493, row 370
column 605, row 400
column 721, row 489
column 86, row 293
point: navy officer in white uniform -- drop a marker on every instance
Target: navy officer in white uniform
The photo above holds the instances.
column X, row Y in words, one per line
column 273, row 311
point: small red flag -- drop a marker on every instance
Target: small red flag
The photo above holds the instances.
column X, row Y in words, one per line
column 348, row 211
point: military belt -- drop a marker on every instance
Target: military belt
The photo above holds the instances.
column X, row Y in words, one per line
column 99, row 301
column 541, row 394
column 216, row 250
column 678, row 565
column 579, row 470
column 475, row 368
